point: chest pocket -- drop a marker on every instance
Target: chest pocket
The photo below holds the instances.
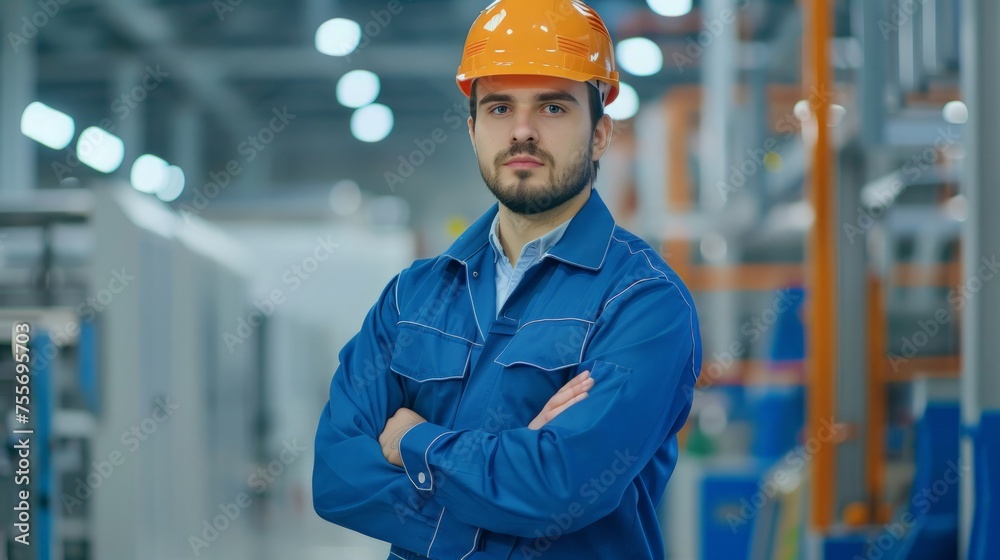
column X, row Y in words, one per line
column 547, row 344
column 423, row 353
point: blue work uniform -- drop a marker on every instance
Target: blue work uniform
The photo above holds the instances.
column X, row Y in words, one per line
column 476, row 482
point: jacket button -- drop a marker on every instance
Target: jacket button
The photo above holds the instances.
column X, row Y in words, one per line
column 475, row 274
column 421, row 478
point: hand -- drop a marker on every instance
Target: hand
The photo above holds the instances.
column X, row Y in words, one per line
column 571, row 393
column 395, row 427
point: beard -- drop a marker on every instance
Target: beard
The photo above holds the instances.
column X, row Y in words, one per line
column 520, row 197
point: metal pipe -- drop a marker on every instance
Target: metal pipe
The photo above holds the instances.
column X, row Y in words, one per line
column 980, row 291
column 875, row 455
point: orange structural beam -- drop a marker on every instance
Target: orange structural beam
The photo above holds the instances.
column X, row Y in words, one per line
column 775, row 276
column 900, row 369
column 821, row 255
column 746, row 277
column 890, row 368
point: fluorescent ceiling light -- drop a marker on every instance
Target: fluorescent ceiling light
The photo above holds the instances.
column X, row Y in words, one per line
column 639, row 56
column 100, row 150
column 372, row 123
column 626, row 105
column 357, row 88
column 47, row 126
column 338, row 37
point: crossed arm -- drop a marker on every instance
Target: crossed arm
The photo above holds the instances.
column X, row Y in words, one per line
column 643, row 353
column 574, row 391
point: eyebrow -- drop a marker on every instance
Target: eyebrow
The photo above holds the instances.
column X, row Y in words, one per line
column 540, row 98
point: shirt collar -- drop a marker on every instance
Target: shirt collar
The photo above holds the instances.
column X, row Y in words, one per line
column 542, row 244
column 584, row 243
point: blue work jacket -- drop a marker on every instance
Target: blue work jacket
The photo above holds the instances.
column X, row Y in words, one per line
column 477, row 483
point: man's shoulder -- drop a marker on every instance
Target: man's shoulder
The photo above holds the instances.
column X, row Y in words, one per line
column 631, row 256
column 423, row 273
column 418, row 270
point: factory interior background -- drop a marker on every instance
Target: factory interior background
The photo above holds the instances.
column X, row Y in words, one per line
column 200, row 201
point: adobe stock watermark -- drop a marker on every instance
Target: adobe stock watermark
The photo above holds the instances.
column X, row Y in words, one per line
column 131, row 440
column 31, row 25
column 293, row 277
column 756, row 159
column 782, row 477
column 712, row 30
column 122, row 107
column 426, row 147
column 958, row 297
column 894, row 532
column 900, row 13
column 249, row 149
column 258, row 481
column 754, row 329
column 589, row 493
column 378, row 21
column 911, row 171
column 87, row 311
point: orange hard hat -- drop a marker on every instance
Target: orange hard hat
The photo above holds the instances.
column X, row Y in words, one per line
column 559, row 38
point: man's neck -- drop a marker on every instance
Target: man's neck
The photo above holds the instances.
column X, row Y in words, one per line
column 516, row 230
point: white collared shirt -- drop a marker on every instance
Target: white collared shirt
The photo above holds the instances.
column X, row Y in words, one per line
column 508, row 277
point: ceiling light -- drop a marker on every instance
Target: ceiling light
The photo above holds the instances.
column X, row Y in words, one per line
column 338, row 37
column 100, row 149
column 149, row 174
column 670, row 8
column 372, row 123
column 626, row 105
column 357, row 88
column 47, row 126
column 175, row 185
column 639, row 56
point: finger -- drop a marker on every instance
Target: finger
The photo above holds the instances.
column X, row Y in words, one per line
column 567, row 392
column 549, row 415
column 558, row 410
column 572, row 384
column 579, row 378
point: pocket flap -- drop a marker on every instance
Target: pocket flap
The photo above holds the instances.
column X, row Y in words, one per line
column 423, row 353
column 548, row 344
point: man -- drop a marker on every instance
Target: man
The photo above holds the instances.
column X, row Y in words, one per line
column 519, row 395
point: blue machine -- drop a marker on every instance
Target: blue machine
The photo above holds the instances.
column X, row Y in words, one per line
column 779, row 411
column 87, row 366
column 45, row 485
column 728, row 512
column 735, row 501
column 933, row 503
column 985, row 539
column 846, row 547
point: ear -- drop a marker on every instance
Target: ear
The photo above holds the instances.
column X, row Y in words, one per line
column 472, row 134
column 602, row 137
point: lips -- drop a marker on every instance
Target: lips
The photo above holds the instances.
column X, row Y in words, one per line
column 523, row 162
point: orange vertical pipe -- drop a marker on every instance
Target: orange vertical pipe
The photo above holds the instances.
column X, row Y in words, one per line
column 877, row 350
column 821, row 259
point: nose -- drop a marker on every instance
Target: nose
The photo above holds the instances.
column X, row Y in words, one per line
column 524, row 128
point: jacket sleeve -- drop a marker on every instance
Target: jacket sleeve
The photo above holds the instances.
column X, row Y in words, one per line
column 353, row 484
column 644, row 355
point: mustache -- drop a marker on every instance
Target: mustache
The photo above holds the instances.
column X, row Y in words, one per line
column 526, row 148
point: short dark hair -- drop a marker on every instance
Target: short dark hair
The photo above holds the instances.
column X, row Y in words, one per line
column 596, row 112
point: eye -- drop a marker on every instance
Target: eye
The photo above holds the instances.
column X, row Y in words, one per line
column 496, row 110
column 554, row 109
